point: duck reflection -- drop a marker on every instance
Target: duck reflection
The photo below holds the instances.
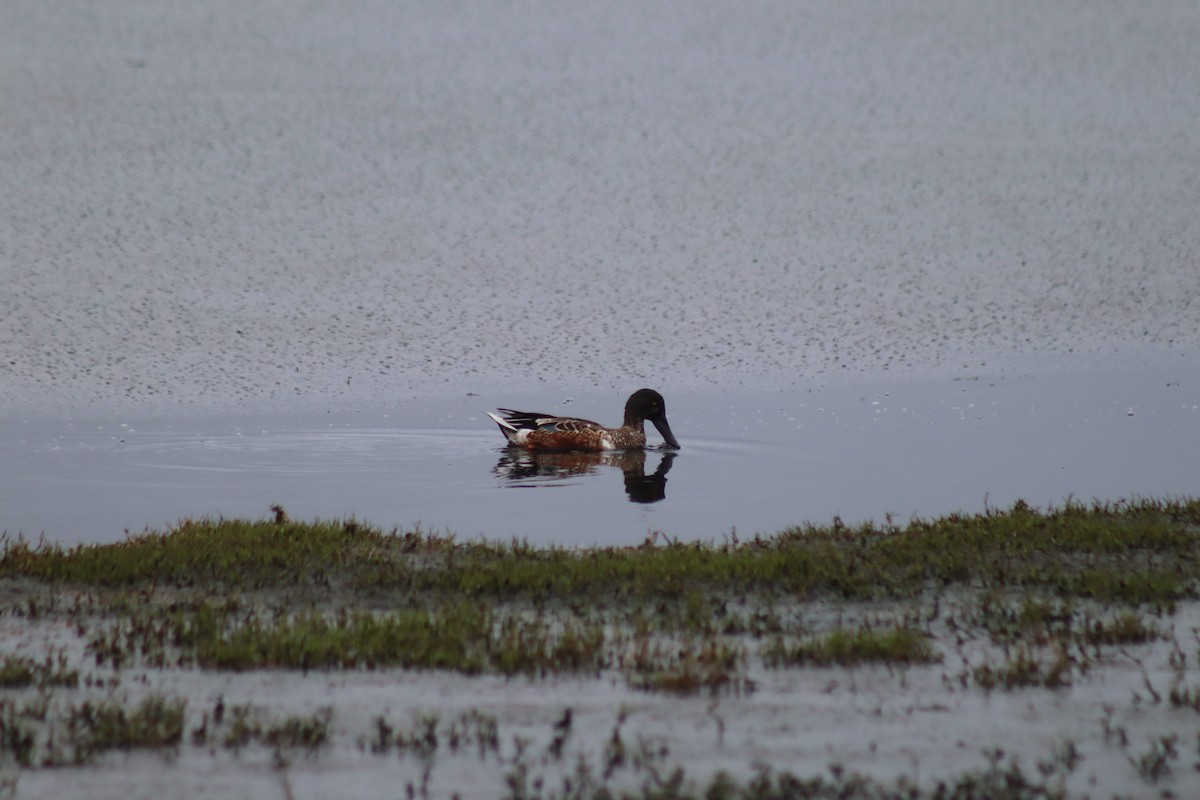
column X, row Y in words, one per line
column 532, row 467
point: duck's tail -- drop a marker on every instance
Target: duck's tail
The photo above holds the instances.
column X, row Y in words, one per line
column 506, row 427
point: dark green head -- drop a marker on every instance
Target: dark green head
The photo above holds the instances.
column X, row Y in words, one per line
column 647, row 404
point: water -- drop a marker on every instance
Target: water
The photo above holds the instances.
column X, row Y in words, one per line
column 752, row 462
column 881, row 721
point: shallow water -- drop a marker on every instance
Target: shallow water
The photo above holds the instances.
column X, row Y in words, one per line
column 751, row 462
column 919, row 722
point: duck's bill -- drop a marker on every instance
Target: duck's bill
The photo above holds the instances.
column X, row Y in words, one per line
column 665, row 430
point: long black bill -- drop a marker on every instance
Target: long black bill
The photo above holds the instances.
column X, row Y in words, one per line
column 660, row 422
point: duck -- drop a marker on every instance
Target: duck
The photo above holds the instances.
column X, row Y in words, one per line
column 534, row 431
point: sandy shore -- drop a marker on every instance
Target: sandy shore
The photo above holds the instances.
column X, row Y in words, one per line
column 230, row 204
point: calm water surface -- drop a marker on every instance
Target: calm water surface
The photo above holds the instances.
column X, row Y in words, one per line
column 751, row 462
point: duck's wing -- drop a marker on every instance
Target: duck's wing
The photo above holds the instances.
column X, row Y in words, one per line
column 533, row 421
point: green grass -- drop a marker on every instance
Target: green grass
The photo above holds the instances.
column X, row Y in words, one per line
column 459, row 636
column 247, row 725
column 689, row 667
column 334, row 595
column 1014, row 599
column 899, row 645
column 1023, row 668
column 1142, row 552
column 470, row 730
column 94, row 728
column 456, row 639
column 220, row 553
column 16, row 672
column 19, row 672
column 620, row 764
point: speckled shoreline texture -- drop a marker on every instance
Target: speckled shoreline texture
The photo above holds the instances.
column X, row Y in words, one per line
column 231, row 203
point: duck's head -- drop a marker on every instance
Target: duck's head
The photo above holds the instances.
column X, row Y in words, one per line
column 647, row 404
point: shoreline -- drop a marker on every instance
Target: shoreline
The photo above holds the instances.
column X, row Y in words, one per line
column 281, row 665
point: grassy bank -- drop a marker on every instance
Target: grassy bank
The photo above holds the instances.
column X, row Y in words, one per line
column 1125, row 552
column 1040, row 597
column 237, row 594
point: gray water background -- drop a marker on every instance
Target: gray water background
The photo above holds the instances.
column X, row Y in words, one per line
column 255, row 252
column 751, row 463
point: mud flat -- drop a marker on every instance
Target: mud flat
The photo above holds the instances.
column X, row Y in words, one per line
column 1045, row 653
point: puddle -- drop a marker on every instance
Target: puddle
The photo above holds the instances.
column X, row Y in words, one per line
column 752, row 462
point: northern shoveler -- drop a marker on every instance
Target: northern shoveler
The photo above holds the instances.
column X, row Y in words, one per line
column 548, row 432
